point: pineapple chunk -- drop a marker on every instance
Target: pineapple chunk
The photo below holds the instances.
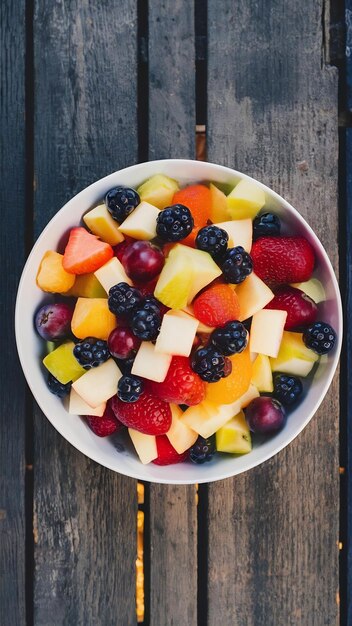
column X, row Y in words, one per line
column 313, row 288
column 262, row 376
column 92, row 318
column 234, row 437
column 294, row 357
column 158, row 190
column 175, row 281
column 245, row 200
column 218, row 208
column 62, row 363
column 86, row 286
column 51, row 276
column 141, row 223
column 100, row 222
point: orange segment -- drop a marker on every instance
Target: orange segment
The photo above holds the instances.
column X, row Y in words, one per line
column 229, row 389
column 198, row 199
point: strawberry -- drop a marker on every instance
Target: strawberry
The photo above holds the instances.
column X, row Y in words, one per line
column 105, row 425
column 85, row 253
column 216, row 305
column 301, row 309
column 167, row 453
column 181, row 385
column 280, row 260
column 149, row 415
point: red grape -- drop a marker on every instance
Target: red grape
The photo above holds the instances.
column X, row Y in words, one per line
column 265, row 415
column 122, row 343
column 142, row 261
column 53, row 321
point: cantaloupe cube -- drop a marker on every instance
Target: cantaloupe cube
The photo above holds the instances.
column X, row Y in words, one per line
column 266, row 331
column 98, row 384
column 77, row 406
column 145, row 446
column 177, row 333
column 141, row 223
column 86, row 286
column 62, row 363
column 253, row 295
column 218, row 207
column 240, row 233
column 245, row 200
column 151, row 364
column 158, row 190
column 111, row 274
column 51, row 276
column 180, row 435
column 100, row 222
column 92, row 318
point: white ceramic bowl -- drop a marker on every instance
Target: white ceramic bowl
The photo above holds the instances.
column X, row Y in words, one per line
column 105, row 451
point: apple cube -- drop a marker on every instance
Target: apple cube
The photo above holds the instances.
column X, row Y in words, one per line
column 262, row 376
column 92, row 318
column 141, row 223
column 51, row 276
column 180, row 435
column 145, row 446
column 313, row 288
column 176, row 334
column 158, row 190
column 253, row 295
column 266, row 331
column 151, row 364
column 218, row 205
column 111, row 274
column 77, row 406
column 62, row 363
column 245, row 200
column 240, row 233
column 294, row 357
column 234, row 437
column 86, row 286
column 100, row 222
column 98, row 384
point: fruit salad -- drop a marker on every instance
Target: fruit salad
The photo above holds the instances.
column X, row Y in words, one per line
column 183, row 317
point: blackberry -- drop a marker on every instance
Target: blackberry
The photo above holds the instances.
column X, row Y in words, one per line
column 146, row 320
column 123, row 299
column 266, row 225
column 236, row 265
column 231, row 338
column 120, row 202
column 125, row 365
column 129, row 388
column 214, row 240
column 57, row 388
column 320, row 337
column 287, row 388
column 210, row 364
column 203, row 450
column 91, row 352
column 174, row 223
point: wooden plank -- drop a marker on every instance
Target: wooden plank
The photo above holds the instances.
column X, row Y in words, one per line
column 12, row 412
column 85, row 127
column 173, row 539
column 346, row 379
column 272, row 113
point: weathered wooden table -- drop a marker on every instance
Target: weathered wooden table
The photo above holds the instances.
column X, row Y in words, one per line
column 88, row 88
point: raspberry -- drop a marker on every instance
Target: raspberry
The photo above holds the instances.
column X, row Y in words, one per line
column 236, row 265
column 266, row 225
column 91, row 352
column 174, row 223
column 213, row 240
column 320, row 337
column 181, row 385
column 210, row 364
column 167, row 454
column 280, row 260
column 121, row 201
column 216, row 305
column 301, row 309
column 105, row 425
column 149, row 415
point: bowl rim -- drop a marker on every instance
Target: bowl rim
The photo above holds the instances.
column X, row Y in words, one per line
column 246, row 458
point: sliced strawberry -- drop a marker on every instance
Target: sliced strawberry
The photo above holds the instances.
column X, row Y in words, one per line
column 216, row 305
column 167, row 454
column 105, row 425
column 85, row 253
column 282, row 260
column 181, row 385
column 149, row 415
column 301, row 309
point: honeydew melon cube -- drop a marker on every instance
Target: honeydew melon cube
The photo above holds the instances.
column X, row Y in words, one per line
column 234, row 437
column 98, row 384
column 151, row 364
column 262, row 376
column 175, row 281
column 240, row 233
column 145, row 446
column 245, row 200
column 51, row 276
column 253, row 295
column 86, row 286
column 204, row 268
column 111, row 274
column 77, row 406
column 177, row 333
column 293, row 357
column 266, row 331
column 180, row 435
column 218, row 205
column 62, row 363
column 313, row 288
column 141, row 223
column 158, row 190
column 100, row 223
column 92, row 318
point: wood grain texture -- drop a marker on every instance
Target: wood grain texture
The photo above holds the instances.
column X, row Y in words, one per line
column 85, row 127
column 346, row 377
column 12, row 412
column 173, row 525
column 272, row 113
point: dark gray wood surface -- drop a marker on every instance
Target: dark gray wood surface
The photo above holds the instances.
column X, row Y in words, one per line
column 13, row 406
column 85, row 127
column 272, row 113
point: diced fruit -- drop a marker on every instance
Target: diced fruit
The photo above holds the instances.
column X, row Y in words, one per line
column 301, row 310
column 141, row 223
column 213, row 240
column 217, row 305
column 198, row 199
column 176, row 334
column 53, row 321
column 313, row 288
column 175, row 281
column 85, row 253
column 167, row 454
column 180, row 436
column 106, row 425
column 122, row 343
column 181, row 385
column 111, row 274
column 281, row 260
column 229, row 389
column 245, row 200
column 294, row 357
column 266, row 332
column 98, row 384
column 230, row 338
column 265, row 415
column 149, row 415
column 190, row 240
column 210, row 364
column 240, row 233
column 145, row 445
column 205, row 270
column 86, row 286
column 174, row 223
column 158, row 190
column 91, row 352
column 77, row 406
column 218, row 205
column 142, row 261
column 234, row 437
column 253, row 295
column 100, row 222
column 261, row 374
column 92, row 318
column 62, row 364
column 202, row 328
column 151, row 364
column 52, row 277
